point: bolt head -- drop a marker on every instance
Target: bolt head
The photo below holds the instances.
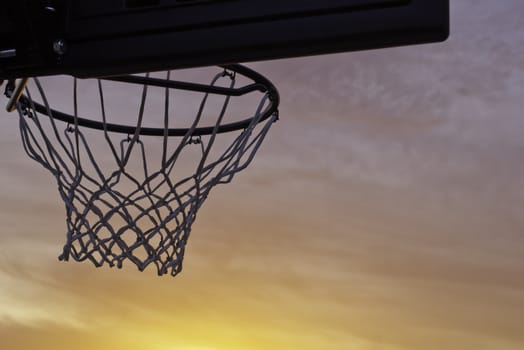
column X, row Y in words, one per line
column 60, row 47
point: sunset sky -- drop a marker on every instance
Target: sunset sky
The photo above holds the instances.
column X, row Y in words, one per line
column 385, row 211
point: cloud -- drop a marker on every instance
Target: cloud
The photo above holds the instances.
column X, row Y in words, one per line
column 28, row 295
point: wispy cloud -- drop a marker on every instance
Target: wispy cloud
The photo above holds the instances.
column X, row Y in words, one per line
column 28, row 294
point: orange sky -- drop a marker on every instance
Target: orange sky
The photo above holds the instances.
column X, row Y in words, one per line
column 384, row 211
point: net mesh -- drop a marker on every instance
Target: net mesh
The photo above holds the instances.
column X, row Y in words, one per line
column 124, row 210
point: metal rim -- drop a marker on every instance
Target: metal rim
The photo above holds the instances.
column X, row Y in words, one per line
column 260, row 83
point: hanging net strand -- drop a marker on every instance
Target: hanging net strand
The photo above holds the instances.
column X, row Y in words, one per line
column 118, row 211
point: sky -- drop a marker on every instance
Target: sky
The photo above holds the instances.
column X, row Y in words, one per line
column 384, row 211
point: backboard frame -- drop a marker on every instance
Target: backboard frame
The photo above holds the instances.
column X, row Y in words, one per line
column 112, row 37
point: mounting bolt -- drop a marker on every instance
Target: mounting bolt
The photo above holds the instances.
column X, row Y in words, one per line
column 48, row 6
column 60, row 47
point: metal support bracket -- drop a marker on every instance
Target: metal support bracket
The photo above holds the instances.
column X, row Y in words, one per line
column 16, row 94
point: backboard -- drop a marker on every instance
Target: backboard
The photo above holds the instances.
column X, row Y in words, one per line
column 110, row 37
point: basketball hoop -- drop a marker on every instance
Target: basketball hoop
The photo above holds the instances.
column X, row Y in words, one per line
column 126, row 189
